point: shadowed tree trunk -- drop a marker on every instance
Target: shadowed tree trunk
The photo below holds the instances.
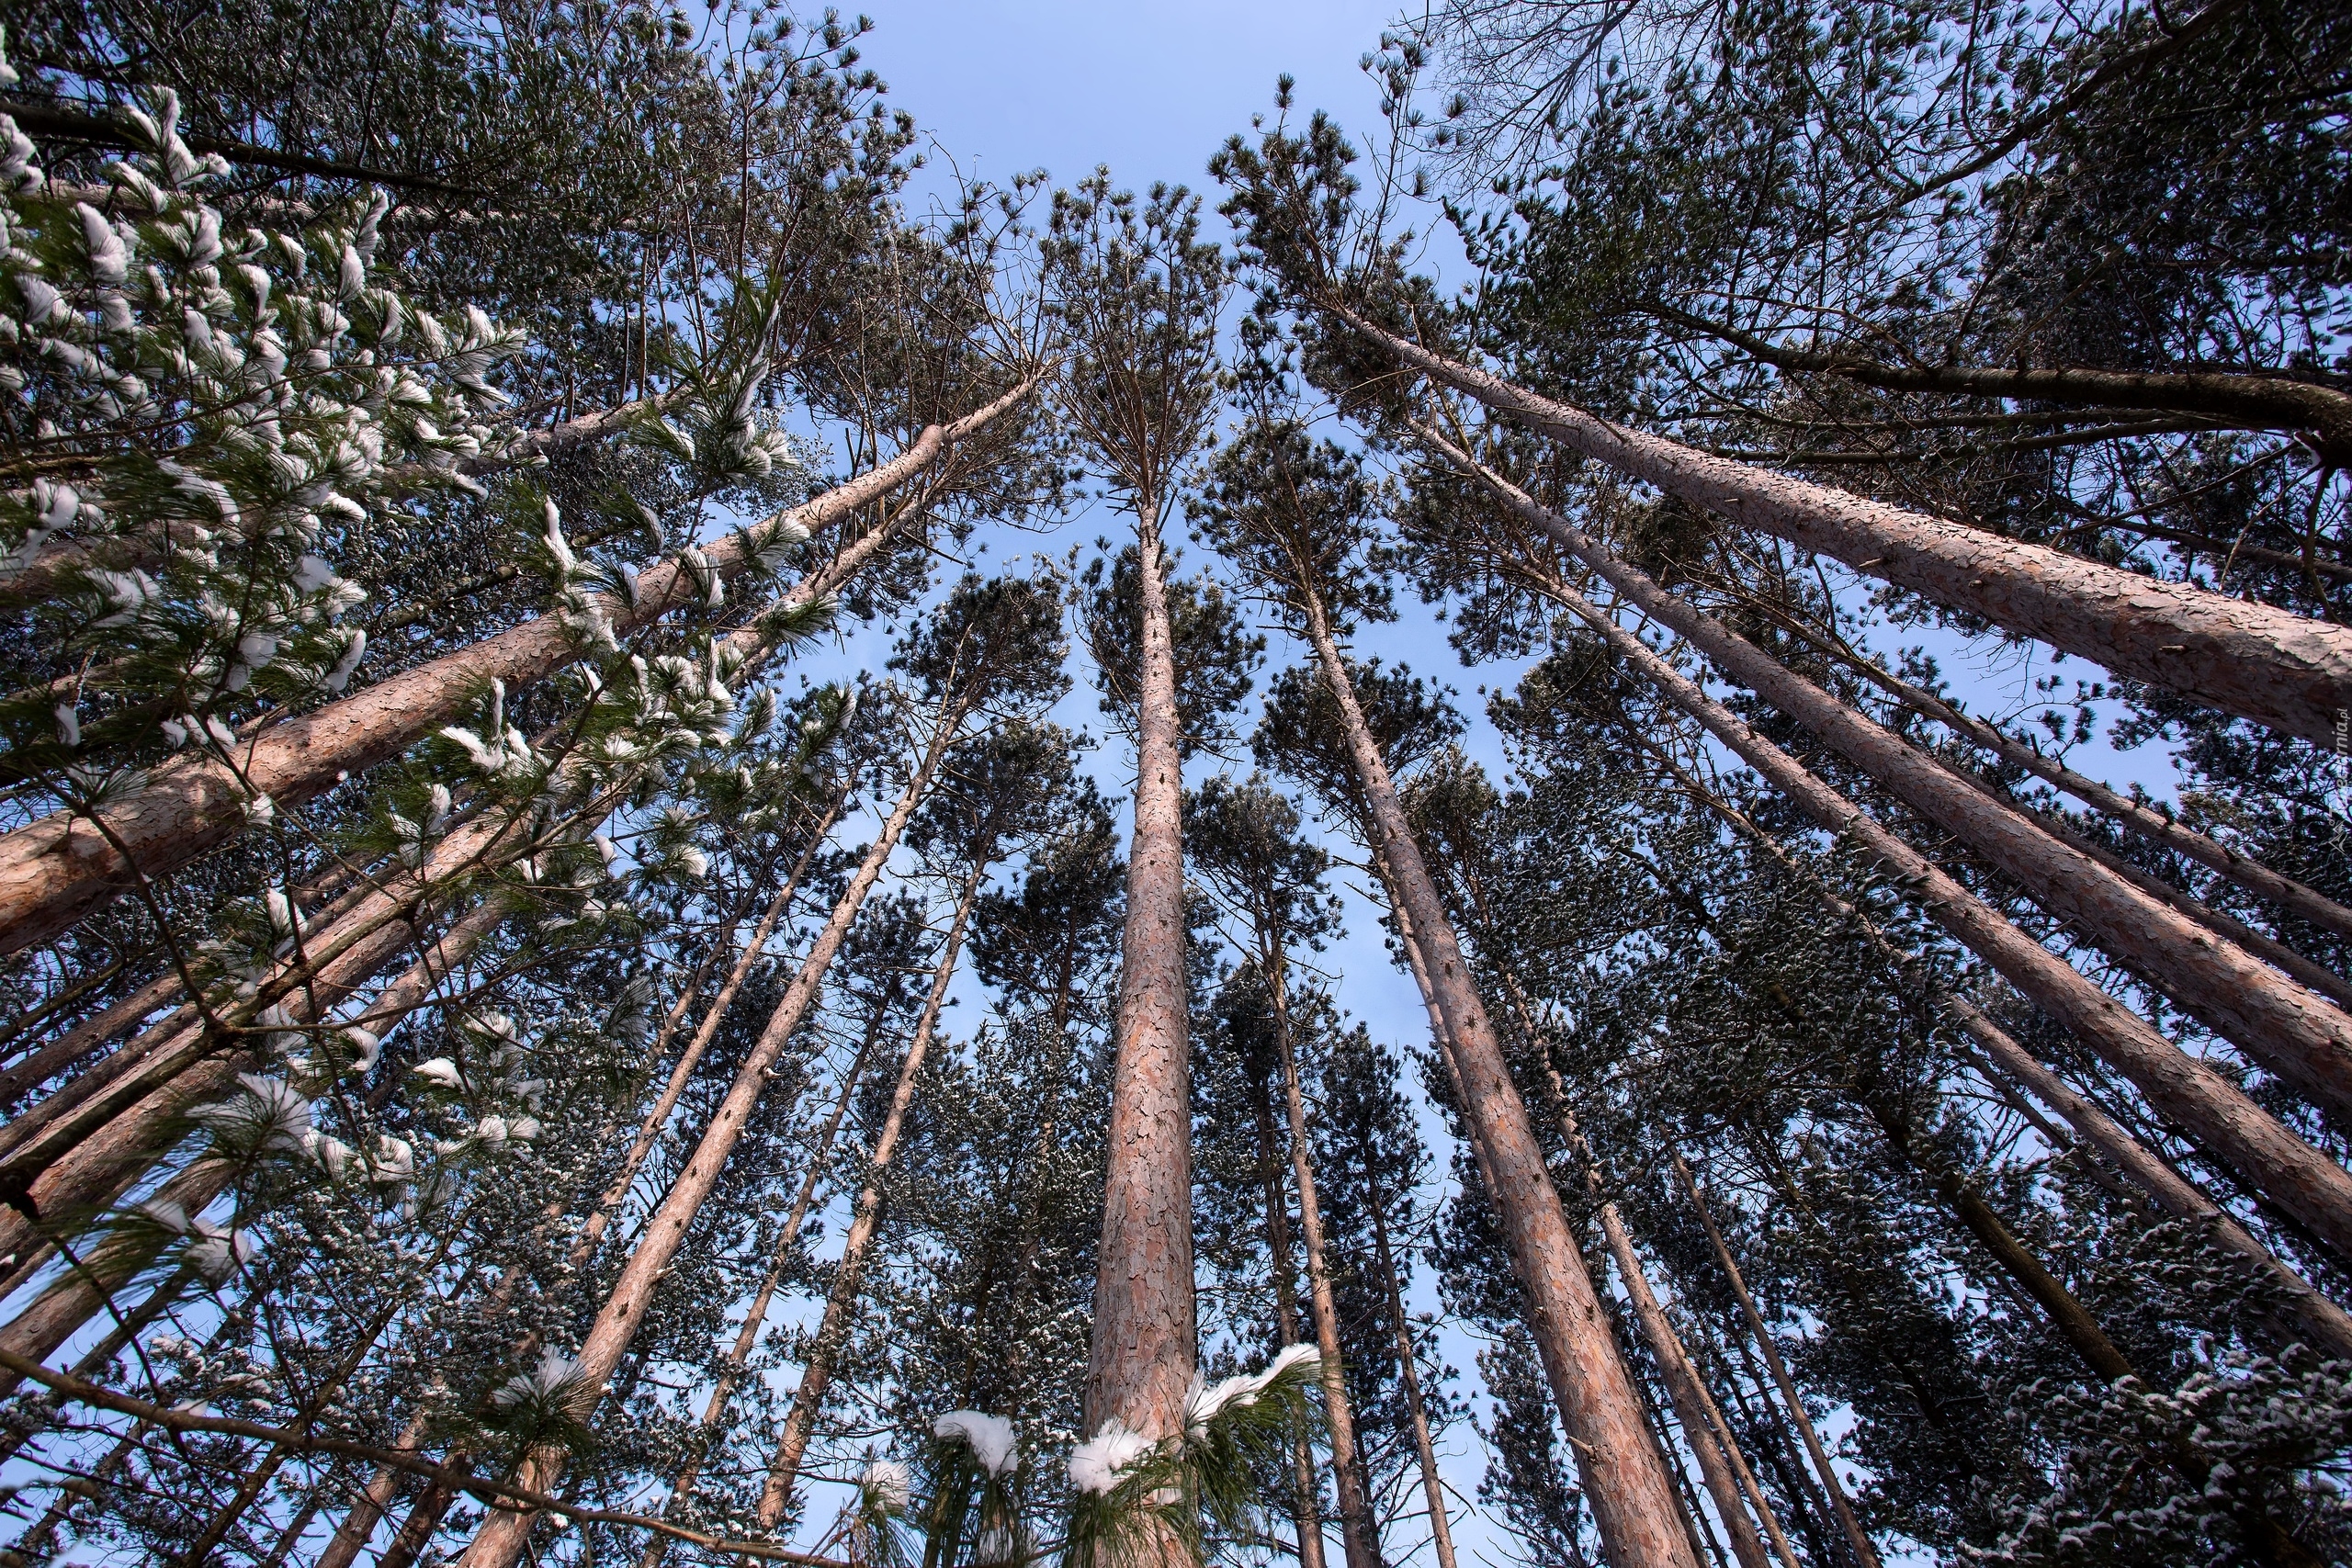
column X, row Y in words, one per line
column 1856, row 1537
column 747, row 1338
column 1408, row 1369
column 500, row 1540
column 1359, row 1534
column 2247, row 659
column 1682, row 1386
column 2307, row 1313
column 104, row 1166
column 1305, row 1510
column 2285, row 1028
column 2217, row 1114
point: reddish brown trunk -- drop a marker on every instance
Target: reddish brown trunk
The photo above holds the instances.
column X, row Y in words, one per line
column 2284, row 1027
column 2216, row 1112
column 2246, row 659
column 2295, row 898
column 1856, row 1537
column 501, row 1539
column 1306, row 1513
column 1359, row 1535
column 2327, row 1325
column 1682, row 1382
column 747, row 1338
column 106, row 1165
column 1409, row 1374
column 91, row 1035
column 56, row 870
column 1633, row 1499
column 841, row 1302
column 1143, row 1351
column 682, row 1072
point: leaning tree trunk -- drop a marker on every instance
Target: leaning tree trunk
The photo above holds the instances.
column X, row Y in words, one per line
column 2327, row 1325
column 747, row 1337
column 501, row 1539
column 1408, row 1371
column 57, row 1313
column 841, row 1302
column 1633, row 1499
column 463, row 848
column 1144, row 1353
column 2217, row 1114
column 56, row 870
column 1856, row 1537
column 2246, row 659
column 361, row 1521
column 2293, row 896
column 1682, row 1384
column 1358, row 1533
column 1305, row 1512
column 2285, row 1028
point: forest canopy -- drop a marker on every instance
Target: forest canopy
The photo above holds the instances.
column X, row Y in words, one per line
column 684, row 801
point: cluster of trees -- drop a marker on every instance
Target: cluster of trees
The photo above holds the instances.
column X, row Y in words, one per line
column 480, row 1035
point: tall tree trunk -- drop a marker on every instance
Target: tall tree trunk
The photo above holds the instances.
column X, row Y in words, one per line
column 2073, row 1321
column 2247, row 659
column 841, row 1302
column 1631, row 1496
column 2217, row 1114
column 501, row 1539
column 106, row 1164
column 1305, row 1507
column 2327, row 1325
column 2290, row 895
column 747, row 1338
column 1143, row 1351
column 463, row 851
column 1856, row 1538
column 258, row 1474
column 55, row 871
column 682, row 1072
column 1359, row 1534
column 1408, row 1370
column 360, row 1522
column 1682, row 1384
column 2287, row 1029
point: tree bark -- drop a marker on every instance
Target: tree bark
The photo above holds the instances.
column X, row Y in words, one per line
column 121, row 1154
column 1408, row 1362
column 1631, row 1498
column 2285, row 892
column 1306, row 1500
column 2270, row 1158
column 841, row 1301
column 747, row 1338
column 1359, row 1535
column 2327, row 1325
column 55, row 871
column 2251, row 659
column 1144, row 1350
column 682, row 1072
column 501, row 1539
column 1856, row 1538
column 2290, row 1031
column 1674, row 1363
